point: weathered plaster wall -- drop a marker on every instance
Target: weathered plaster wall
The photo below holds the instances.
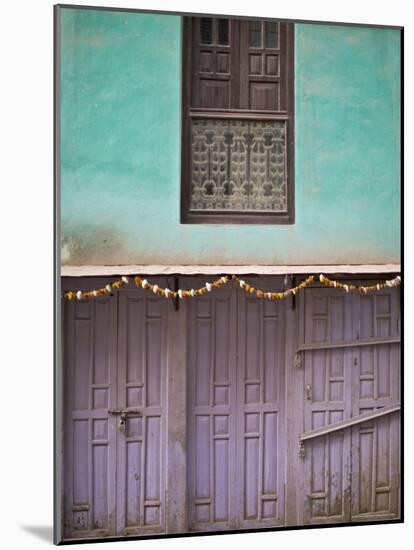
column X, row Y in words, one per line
column 120, row 148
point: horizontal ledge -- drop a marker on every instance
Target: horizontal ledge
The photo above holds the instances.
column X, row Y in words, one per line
column 241, row 111
column 205, row 500
column 350, row 422
column 153, row 269
column 240, row 116
column 80, row 508
column 348, row 343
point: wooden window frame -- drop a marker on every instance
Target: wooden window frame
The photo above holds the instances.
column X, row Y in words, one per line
column 208, row 217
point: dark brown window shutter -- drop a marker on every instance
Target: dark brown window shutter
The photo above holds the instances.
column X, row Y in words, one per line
column 237, row 131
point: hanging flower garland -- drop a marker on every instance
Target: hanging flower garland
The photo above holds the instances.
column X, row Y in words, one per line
column 273, row 295
column 208, row 287
column 364, row 289
column 167, row 293
column 143, row 283
column 84, row 294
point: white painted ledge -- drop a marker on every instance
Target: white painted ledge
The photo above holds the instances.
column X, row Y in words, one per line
column 96, row 270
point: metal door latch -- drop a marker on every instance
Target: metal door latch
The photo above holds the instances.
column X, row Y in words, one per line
column 124, row 414
column 308, row 392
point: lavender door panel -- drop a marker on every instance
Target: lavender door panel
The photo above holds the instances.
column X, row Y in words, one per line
column 90, row 436
column 211, row 406
column 115, row 359
column 141, row 385
column 351, row 475
column 327, row 399
column 261, row 445
column 236, row 428
column 375, row 445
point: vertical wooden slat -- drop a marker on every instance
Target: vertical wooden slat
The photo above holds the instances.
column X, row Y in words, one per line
column 177, row 427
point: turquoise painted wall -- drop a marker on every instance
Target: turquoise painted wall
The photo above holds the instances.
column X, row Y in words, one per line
column 120, row 148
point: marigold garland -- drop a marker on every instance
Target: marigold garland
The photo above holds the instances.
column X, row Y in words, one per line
column 167, row 293
column 250, row 289
column 82, row 294
column 143, row 283
column 364, row 289
column 273, row 295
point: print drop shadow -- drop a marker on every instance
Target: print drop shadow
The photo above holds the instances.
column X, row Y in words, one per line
column 43, row 532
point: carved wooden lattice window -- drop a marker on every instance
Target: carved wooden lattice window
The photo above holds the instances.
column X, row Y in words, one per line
column 237, row 151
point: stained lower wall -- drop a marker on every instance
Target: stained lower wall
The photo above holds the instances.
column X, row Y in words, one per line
column 120, row 148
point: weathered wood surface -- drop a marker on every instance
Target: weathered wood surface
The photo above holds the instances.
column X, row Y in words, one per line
column 217, row 444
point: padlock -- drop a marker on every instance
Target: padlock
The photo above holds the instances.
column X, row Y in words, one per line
column 121, row 425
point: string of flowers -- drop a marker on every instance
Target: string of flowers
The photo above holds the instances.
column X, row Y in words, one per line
column 208, row 287
column 250, row 289
column 84, row 294
column 143, row 283
column 364, row 289
column 167, row 293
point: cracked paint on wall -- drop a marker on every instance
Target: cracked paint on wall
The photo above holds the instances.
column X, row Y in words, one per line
column 121, row 150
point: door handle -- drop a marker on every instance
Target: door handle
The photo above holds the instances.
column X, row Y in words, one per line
column 309, row 392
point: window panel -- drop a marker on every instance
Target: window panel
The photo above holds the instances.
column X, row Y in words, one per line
column 206, row 30
column 272, row 33
column 223, row 32
column 238, row 165
column 255, row 34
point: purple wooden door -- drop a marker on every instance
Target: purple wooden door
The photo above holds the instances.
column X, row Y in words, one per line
column 235, row 414
column 376, row 384
column 351, row 474
column 327, row 399
column 90, row 433
column 115, row 360
column 141, row 385
column 211, row 411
